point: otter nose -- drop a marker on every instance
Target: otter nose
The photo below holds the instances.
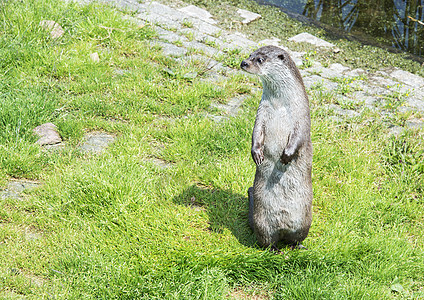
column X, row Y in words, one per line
column 243, row 64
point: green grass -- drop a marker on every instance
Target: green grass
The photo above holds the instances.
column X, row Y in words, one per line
column 118, row 226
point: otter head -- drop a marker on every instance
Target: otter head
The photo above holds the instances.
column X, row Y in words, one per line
column 272, row 64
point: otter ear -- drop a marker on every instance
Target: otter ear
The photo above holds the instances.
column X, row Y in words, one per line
column 281, row 56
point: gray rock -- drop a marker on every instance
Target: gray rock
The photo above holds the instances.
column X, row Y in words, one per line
column 213, row 41
column 131, row 5
column 344, row 112
column 232, row 107
column 395, row 130
column 168, row 36
column 408, row 78
column 48, row 134
column 96, row 142
column 56, row 31
column 417, row 103
column 415, row 124
column 335, row 70
column 361, row 96
column 316, row 68
column 355, row 72
column 153, row 7
column 205, row 27
column 338, row 68
column 311, row 81
column 239, row 41
column 248, row 16
column 217, row 119
column 210, row 51
column 31, row 235
column 121, row 72
column 199, row 13
column 382, row 81
column 272, row 41
column 95, row 57
column 15, row 188
column 162, row 164
column 172, row 50
column 160, row 20
column 309, row 38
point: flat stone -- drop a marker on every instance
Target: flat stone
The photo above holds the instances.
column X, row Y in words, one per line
column 31, row 235
column 248, row 16
column 168, row 36
column 309, row 38
column 158, row 19
column 210, row 51
column 297, row 57
column 121, row 72
column 232, row 107
column 171, row 50
column 217, row 119
column 132, row 5
column 212, row 41
column 361, row 96
column 15, row 188
column 335, row 70
column 408, row 78
column 153, row 7
column 343, row 112
column 396, row 130
column 417, row 103
column 238, row 40
column 383, row 81
column 199, row 13
column 355, row 72
column 316, row 68
column 207, row 64
column 338, row 68
column 95, row 57
column 56, row 31
column 96, row 142
column 162, row 164
column 205, row 27
column 415, row 123
column 214, row 76
column 272, row 41
column 48, row 134
column 311, row 81
column 373, row 90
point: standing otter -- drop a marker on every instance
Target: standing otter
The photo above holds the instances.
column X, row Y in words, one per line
column 280, row 201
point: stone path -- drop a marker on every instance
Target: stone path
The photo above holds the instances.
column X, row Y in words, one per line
column 15, row 188
column 180, row 30
column 96, row 142
column 190, row 27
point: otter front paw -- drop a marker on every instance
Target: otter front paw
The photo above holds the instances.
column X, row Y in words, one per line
column 257, row 155
column 287, row 157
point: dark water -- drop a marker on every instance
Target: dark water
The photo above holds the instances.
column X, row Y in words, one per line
column 395, row 23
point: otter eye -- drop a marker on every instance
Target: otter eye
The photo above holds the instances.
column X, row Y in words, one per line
column 260, row 60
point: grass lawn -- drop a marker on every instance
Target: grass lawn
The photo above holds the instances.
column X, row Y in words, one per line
column 120, row 226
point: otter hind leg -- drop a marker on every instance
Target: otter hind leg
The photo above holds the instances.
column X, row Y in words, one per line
column 250, row 194
column 274, row 249
column 297, row 246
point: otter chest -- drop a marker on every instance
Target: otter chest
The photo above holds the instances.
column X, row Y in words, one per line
column 278, row 125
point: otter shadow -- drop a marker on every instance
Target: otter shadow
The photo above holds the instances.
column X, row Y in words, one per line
column 224, row 208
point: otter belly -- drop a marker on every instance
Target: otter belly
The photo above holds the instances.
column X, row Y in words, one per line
column 282, row 201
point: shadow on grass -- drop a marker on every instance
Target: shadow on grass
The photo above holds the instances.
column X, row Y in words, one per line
column 225, row 209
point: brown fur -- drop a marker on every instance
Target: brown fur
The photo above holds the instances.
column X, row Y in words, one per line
column 280, row 201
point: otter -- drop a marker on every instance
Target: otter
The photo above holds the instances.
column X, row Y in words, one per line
column 280, row 201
